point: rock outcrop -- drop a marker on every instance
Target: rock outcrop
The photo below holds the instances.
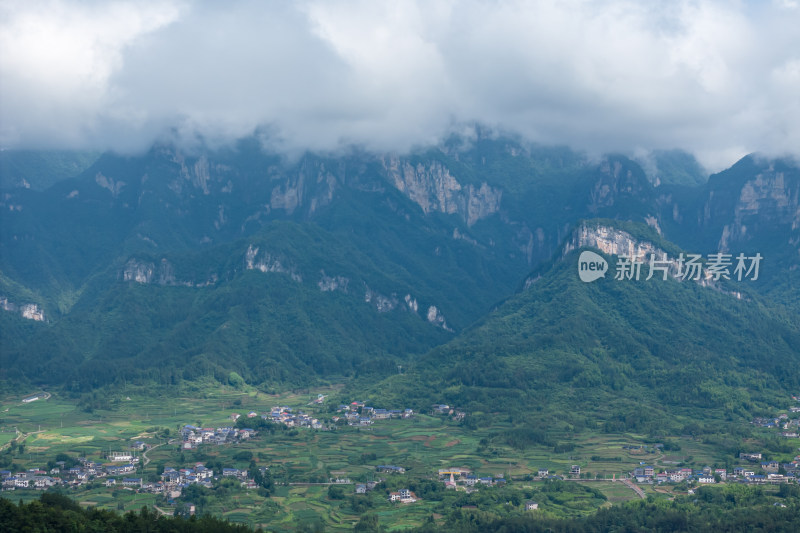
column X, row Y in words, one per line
column 431, row 186
column 267, row 262
column 31, row 311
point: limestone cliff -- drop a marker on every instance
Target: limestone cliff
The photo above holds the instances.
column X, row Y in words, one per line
column 312, row 187
column 332, row 283
column 31, row 311
column 160, row 273
column 614, row 241
column 148, row 272
column 436, row 318
column 197, row 174
column 267, row 262
column 431, row 186
column 769, row 199
column 611, row 241
column 115, row 187
column 383, row 304
column 618, row 179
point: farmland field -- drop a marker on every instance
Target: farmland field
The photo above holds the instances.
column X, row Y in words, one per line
column 301, row 461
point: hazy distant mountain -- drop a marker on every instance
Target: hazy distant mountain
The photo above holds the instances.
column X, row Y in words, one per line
column 39, row 169
column 673, row 167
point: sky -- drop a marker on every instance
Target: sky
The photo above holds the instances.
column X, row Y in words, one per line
column 719, row 79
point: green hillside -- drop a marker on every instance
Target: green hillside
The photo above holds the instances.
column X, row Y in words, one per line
column 214, row 316
column 383, row 257
column 647, row 356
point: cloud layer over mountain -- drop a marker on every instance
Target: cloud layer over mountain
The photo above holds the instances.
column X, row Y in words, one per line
column 717, row 78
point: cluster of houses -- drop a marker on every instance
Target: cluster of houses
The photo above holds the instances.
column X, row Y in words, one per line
column 769, row 472
column 403, row 496
column 444, row 409
column 284, row 415
column 363, row 488
column 390, row 469
column 464, row 479
column 172, row 481
column 75, row 476
column 193, row 437
column 789, row 427
column 30, row 479
column 544, row 473
column 359, row 414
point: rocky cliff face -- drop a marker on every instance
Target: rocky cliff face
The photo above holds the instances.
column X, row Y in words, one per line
column 611, row 241
column 267, row 262
column 436, row 318
column 618, row 179
column 311, row 188
column 614, row 241
column 768, row 200
column 30, row 311
column 198, row 173
column 332, row 283
column 148, row 272
column 115, row 187
column 431, row 186
column 382, row 304
column 160, row 272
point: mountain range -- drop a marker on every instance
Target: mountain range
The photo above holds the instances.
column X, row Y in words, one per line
column 457, row 262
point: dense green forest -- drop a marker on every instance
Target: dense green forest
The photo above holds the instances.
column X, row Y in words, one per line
column 371, row 260
column 593, row 355
column 732, row 508
column 709, row 510
column 54, row 512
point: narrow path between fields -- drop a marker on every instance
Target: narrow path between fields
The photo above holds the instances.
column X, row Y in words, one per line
column 162, row 511
column 146, row 459
column 635, row 489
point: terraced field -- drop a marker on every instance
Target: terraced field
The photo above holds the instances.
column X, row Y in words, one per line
column 297, row 457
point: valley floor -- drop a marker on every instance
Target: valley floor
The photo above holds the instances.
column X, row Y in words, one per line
column 284, row 477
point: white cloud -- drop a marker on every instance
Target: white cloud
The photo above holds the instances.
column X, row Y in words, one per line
column 717, row 78
column 57, row 60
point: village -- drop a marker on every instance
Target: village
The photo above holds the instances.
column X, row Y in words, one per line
column 121, row 467
column 193, row 437
column 787, row 427
column 171, row 484
column 356, row 414
column 359, row 414
column 768, row 472
column 124, row 470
